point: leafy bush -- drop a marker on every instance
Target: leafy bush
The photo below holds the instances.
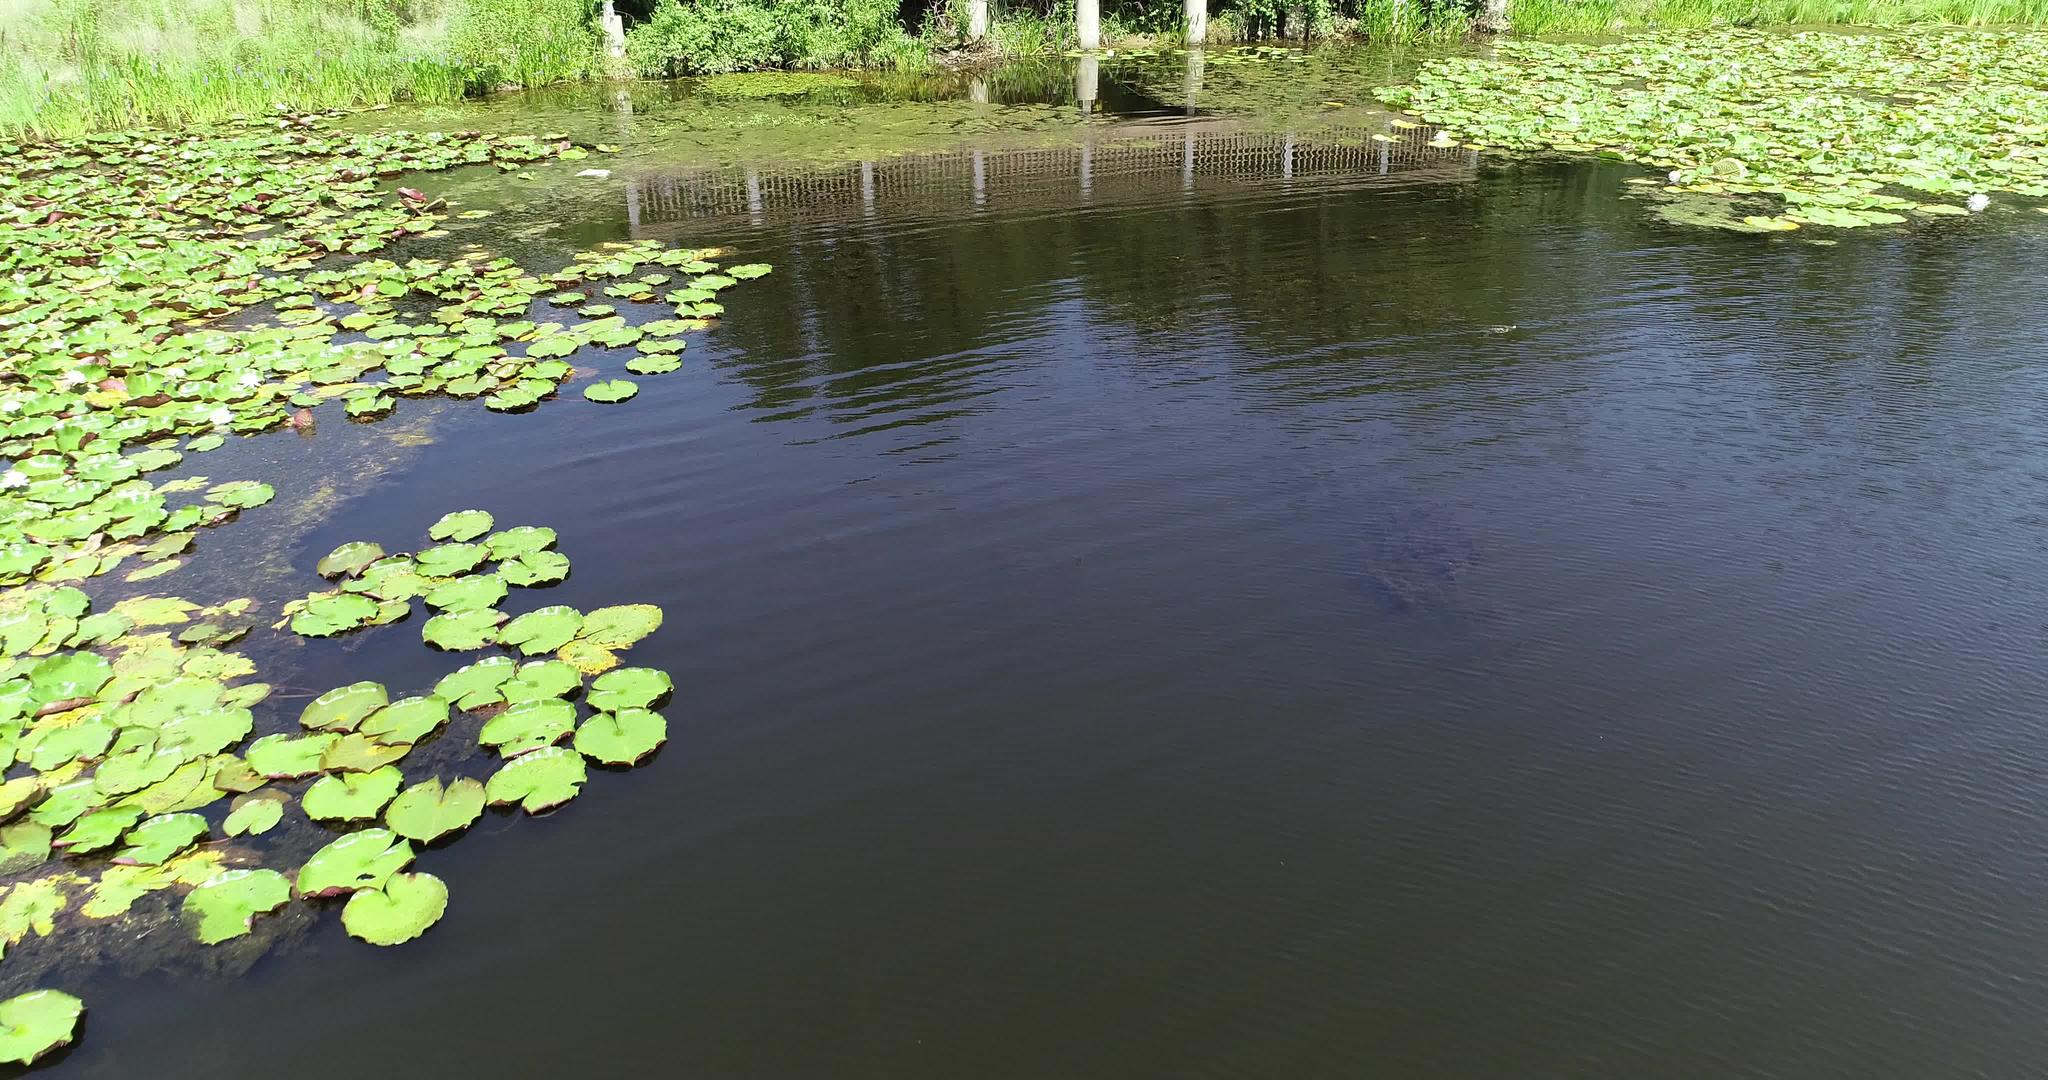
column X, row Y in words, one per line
column 695, row 37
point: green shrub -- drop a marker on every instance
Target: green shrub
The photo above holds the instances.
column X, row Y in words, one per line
column 696, row 37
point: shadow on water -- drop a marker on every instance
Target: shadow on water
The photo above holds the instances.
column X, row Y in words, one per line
column 1230, row 596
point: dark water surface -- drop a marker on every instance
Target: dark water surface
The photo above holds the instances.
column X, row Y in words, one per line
column 1441, row 623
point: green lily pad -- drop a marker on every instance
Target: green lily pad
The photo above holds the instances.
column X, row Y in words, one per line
column 462, row 525
column 538, row 781
column 407, row 720
column 360, row 860
column 161, row 837
column 541, row 631
column 402, row 910
column 23, row 845
column 225, row 906
column 241, row 494
column 471, row 592
column 610, row 391
column 461, row 631
column 35, row 1023
column 342, row 708
column 427, row 811
column 520, row 541
column 620, row 625
column 286, row 757
column 357, row 752
column 349, row 560
column 476, row 685
column 621, row 738
column 528, row 726
column 254, row 815
column 629, row 688
column 336, row 613
column 98, row 829
column 535, row 568
column 653, row 365
column 749, row 271
column 351, row 796
column 542, row 679
column 448, row 560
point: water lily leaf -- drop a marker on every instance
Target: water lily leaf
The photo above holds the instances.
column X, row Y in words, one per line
column 541, row 631
column 334, row 613
column 98, row 829
column 254, row 815
column 610, row 391
column 461, row 525
column 225, row 906
column 476, row 685
column 349, row 560
column 23, row 845
column 588, row 658
column 343, row 707
column 158, row 839
column 407, row 720
column 357, row 752
column 542, row 679
column 521, row 541
column 50, row 746
column 285, row 757
column 538, row 781
column 460, row 631
column 470, row 592
column 749, row 271
column 402, row 910
column 360, row 860
column 241, row 494
column 619, row 626
column 629, row 688
column 535, row 568
column 448, row 560
column 69, row 676
column 351, row 796
column 653, row 365
column 528, row 726
column 621, row 738
column 35, row 1023
column 427, row 811
column 210, row 732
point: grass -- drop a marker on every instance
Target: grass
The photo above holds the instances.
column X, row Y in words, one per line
column 68, row 67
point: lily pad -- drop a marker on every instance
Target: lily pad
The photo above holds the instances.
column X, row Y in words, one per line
column 286, row 757
column 397, row 913
column 342, row 708
column 538, row 781
column 35, row 1023
column 407, row 720
column 624, row 737
column 427, row 811
column 461, row 631
column 611, row 391
column 360, row 860
column 254, row 815
column 529, row 726
column 225, row 906
column 351, row 796
column 476, row 685
column 629, row 688
column 160, row 838
column 462, row 525
column 535, row 568
column 471, row 592
column 619, row 626
column 541, row 631
column 349, row 560
column 448, row 560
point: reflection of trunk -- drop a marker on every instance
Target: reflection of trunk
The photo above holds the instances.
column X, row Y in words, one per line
column 1088, row 23
column 977, row 19
column 1197, row 12
column 1493, row 18
column 614, row 31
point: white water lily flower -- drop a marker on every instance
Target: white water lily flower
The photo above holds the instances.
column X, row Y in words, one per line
column 249, row 378
column 11, row 405
column 73, row 378
column 220, row 417
column 174, row 373
column 13, row 478
column 1976, row 203
column 1673, row 177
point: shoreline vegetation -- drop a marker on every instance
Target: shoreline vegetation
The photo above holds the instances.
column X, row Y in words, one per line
column 69, row 67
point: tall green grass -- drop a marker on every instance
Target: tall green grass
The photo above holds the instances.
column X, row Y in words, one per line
column 68, row 67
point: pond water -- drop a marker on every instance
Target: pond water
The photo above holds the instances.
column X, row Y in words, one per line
column 1175, row 595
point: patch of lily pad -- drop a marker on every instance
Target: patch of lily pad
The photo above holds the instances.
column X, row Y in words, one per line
column 1821, row 128
column 161, row 293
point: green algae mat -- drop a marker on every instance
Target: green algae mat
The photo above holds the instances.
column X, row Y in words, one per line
column 1778, row 130
column 159, row 295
